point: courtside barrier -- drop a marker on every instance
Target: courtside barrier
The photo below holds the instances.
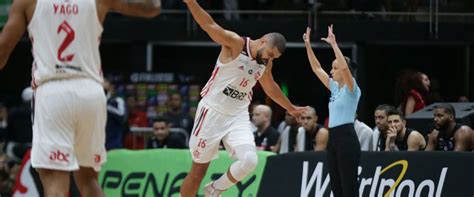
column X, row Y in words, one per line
column 386, row 174
column 160, row 172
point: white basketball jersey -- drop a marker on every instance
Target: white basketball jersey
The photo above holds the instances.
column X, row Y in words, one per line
column 65, row 37
column 229, row 90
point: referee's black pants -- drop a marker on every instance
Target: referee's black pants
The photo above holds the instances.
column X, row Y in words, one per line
column 343, row 153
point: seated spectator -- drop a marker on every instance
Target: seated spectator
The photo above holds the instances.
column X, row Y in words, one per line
column 380, row 130
column 265, row 136
column 176, row 115
column 287, row 141
column 448, row 135
column 401, row 138
column 163, row 138
column 311, row 135
column 364, row 133
column 289, row 120
column 116, row 118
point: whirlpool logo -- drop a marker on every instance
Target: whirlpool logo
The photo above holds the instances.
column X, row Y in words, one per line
column 377, row 184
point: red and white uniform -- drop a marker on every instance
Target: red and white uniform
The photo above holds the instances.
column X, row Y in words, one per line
column 66, row 37
column 222, row 113
column 70, row 105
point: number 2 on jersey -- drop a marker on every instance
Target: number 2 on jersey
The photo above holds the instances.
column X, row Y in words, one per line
column 70, row 36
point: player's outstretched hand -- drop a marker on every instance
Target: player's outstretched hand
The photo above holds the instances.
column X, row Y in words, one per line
column 296, row 111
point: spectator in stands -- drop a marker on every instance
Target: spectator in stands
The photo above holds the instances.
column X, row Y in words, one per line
column 448, row 135
column 401, row 138
column 265, row 136
column 19, row 129
column 381, row 126
column 411, row 88
column 287, row 141
column 364, row 133
column 289, row 120
column 116, row 118
column 163, row 138
column 176, row 115
column 3, row 122
column 136, row 114
column 311, row 135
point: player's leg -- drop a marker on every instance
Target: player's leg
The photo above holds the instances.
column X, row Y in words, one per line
column 193, row 180
column 86, row 179
column 55, row 182
column 245, row 164
column 90, row 136
column 240, row 143
column 52, row 153
column 204, row 143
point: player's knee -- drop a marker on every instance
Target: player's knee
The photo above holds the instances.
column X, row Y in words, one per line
column 250, row 161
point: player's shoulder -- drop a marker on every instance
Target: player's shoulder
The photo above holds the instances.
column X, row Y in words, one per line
column 463, row 132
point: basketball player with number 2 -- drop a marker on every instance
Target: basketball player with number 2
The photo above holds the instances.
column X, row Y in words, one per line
column 69, row 101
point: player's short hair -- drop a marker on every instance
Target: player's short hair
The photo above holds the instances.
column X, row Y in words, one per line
column 448, row 108
column 277, row 40
column 394, row 112
column 385, row 107
column 312, row 111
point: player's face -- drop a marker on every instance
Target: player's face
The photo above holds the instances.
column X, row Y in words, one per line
column 308, row 121
column 267, row 53
column 426, row 81
column 397, row 122
column 441, row 119
column 381, row 120
column 160, row 130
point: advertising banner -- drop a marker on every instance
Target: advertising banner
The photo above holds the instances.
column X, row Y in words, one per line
column 160, row 172
column 380, row 174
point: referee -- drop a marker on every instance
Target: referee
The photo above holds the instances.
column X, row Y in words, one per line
column 343, row 145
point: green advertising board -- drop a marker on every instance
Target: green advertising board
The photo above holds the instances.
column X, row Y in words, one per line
column 4, row 7
column 160, row 172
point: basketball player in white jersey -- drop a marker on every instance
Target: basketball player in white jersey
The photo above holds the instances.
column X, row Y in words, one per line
column 70, row 105
column 223, row 111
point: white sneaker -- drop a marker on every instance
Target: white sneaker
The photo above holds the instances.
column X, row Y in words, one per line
column 211, row 191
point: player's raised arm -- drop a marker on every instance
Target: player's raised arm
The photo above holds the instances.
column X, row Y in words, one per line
column 217, row 33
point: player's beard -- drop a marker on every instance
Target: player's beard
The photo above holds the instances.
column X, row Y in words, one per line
column 443, row 126
column 259, row 58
